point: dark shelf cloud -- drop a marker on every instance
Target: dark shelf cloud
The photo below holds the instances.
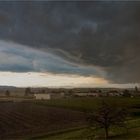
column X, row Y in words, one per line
column 93, row 38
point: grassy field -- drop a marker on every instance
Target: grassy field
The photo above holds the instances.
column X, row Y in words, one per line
column 89, row 104
column 86, row 134
column 59, row 119
column 79, row 135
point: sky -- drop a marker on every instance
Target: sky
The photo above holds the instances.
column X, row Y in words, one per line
column 69, row 43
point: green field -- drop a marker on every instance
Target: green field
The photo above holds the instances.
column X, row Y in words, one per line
column 85, row 133
column 82, row 135
column 89, row 104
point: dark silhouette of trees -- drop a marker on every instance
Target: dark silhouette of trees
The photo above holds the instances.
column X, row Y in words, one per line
column 126, row 93
column 136, row 89
column 7, row 93
column 106, row 116
column 27, row 91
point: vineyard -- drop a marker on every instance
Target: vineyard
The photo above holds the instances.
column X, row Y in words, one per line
column 19, row 120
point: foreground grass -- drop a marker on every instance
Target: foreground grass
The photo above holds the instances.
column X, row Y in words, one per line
column 89, row 104
column 60, row 134
column 133, row 134
column 79, row 135
column 85, row 134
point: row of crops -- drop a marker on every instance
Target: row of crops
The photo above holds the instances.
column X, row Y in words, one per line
column 26, row 119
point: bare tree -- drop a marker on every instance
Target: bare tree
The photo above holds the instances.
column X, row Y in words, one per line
column 106, row 116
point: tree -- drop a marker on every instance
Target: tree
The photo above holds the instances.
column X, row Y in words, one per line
column 106, row 116
column 7, row 93
column 27, row 91
column 126, row 93
column 136, row 89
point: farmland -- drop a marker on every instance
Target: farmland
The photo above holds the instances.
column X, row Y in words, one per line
column 83, row 135
column 58, row 118
column 89, row 104
column 18, row 120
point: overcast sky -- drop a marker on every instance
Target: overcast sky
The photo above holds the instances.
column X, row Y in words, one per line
column 69, row 43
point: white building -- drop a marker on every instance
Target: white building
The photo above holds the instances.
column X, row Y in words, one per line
column 42, row 96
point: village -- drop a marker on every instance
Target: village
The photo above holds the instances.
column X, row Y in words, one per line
column 19, row 94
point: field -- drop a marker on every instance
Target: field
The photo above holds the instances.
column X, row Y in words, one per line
column 60, row 118
column 89, row 104
column 83, row 134
column 21, row 120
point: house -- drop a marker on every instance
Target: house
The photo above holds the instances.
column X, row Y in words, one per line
column 42, row 96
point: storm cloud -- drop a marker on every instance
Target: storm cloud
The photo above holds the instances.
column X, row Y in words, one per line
column 19, row 58
column 102, row 34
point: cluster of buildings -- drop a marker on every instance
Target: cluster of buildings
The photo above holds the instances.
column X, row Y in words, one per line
column 47, row 94
column 74, row 93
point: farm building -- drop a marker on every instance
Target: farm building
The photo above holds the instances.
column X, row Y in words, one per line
column 42, row 96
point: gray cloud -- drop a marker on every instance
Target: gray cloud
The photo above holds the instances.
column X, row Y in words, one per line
column 17, row 58
column 101, row 34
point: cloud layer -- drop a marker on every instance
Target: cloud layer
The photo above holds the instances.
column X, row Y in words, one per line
column 19, row 58
column 96, row 34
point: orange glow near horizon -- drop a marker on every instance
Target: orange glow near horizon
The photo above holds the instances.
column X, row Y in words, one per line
column 37, row 79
